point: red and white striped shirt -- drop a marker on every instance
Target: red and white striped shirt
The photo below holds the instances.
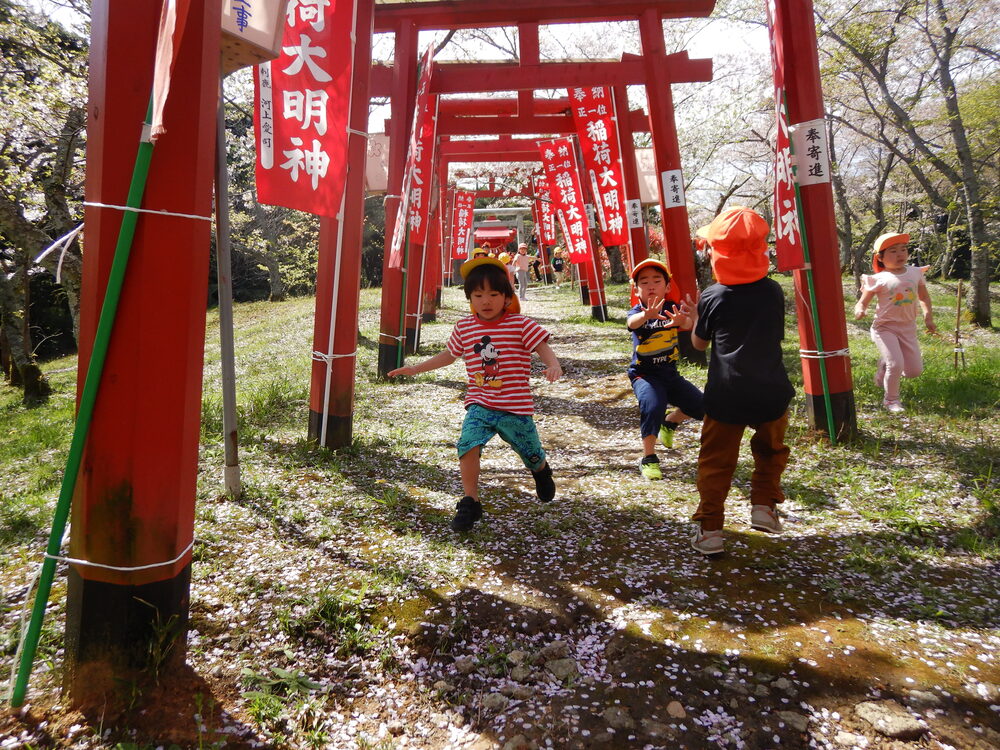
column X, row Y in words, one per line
column 497, row 357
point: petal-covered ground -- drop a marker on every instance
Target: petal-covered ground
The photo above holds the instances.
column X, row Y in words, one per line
column 332, row 606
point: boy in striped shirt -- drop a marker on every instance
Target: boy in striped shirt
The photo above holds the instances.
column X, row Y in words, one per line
column 496, row 346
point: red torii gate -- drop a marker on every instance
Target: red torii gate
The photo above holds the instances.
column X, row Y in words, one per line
column 134, row 507
column 527, row 73
column 467, row 77
column 507, row 149
column 475, row 117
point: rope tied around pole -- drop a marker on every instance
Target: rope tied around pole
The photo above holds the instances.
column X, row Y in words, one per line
column 136, row 209
column 815, row 354
column 323, row 357
column 22, row 619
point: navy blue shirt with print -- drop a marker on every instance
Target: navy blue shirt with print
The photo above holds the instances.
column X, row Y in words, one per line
column 654, row 345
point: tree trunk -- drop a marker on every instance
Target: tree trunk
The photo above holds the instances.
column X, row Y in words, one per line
column 980, row 246
column 618, row 274
column 32, row 380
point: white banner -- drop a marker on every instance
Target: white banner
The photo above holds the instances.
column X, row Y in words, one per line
column 811, row 154
column 672, row 182
column 633, row 209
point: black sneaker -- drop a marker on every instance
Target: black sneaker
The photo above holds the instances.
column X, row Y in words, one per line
column 545, row 487
column 467, row 512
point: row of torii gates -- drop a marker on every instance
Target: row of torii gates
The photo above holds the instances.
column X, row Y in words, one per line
column 134, row 503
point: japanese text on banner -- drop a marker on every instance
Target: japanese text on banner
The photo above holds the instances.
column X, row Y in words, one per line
column 461, row 223
column 417, row 177
column 788, row 251
column 597, row 129
column 545, row 209
column 560, row 169
column 302, row 105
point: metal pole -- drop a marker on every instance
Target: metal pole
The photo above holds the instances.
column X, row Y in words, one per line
column 224, row 276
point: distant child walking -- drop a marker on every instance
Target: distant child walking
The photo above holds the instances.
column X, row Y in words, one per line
column 743, row 317
column 522, row 262
column 496, row 346
column 898, row 288
column 557, row 266
column 654, row 324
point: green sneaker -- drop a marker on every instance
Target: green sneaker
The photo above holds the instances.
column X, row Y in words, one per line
column 667, row 430
column 650, row 468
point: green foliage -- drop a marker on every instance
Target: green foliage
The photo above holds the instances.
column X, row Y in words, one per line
column 278, row 682
column 341, row 619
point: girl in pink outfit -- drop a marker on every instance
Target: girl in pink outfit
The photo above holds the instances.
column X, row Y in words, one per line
column 899, row 288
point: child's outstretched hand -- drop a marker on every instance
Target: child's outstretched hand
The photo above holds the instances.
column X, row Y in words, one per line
column 654, row 310
column 409, row 371
column 553, row 372
column 683, row 315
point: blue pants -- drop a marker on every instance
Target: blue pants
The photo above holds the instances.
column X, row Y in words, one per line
column 657, row 392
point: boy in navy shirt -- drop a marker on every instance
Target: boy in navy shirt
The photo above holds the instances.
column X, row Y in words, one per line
column 654, row 324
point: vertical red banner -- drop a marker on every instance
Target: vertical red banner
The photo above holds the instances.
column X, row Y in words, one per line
column 302, row 102
column 545, row 209
column 417, row 177
column 461, row 223
column 788, row 250
column 597, row 129
column 563, row 175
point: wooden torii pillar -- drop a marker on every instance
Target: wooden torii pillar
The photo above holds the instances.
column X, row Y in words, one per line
column 804, row 94
column 134, row 504
column 666, row 151
column 331, row 390
column 392, row 331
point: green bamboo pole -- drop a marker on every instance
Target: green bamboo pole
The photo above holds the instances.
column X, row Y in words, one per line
column 401, row 342
column 85, row 412
column 813, row 313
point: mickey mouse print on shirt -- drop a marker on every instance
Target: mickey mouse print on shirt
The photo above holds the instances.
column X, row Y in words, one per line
column 489, row 357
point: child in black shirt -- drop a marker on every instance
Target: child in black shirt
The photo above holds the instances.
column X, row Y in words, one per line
column 742, row 316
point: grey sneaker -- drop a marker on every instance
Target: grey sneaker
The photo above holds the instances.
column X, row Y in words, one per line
column 707, row 542
column 765, row 518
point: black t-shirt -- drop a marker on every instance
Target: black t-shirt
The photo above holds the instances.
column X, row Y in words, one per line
column 747, row 382
column 557, row 264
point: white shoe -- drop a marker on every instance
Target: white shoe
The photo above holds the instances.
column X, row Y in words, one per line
column 707, row 542
column 893, row 407
column 765, row 518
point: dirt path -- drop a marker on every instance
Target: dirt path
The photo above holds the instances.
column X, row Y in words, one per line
column 587, row 622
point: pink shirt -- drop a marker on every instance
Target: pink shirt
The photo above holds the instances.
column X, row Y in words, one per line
column 497, row 358
column 896, row 294
column 522, row 262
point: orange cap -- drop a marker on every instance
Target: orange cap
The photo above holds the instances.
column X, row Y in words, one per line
column 738, row 237
column 883, row 242
column 650, row 263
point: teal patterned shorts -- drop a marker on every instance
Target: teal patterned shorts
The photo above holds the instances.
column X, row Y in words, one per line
column 481, row 424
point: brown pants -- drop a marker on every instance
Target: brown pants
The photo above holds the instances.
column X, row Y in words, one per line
column 720, row 451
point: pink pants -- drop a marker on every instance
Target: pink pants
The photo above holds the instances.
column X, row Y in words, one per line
column 899, row 356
